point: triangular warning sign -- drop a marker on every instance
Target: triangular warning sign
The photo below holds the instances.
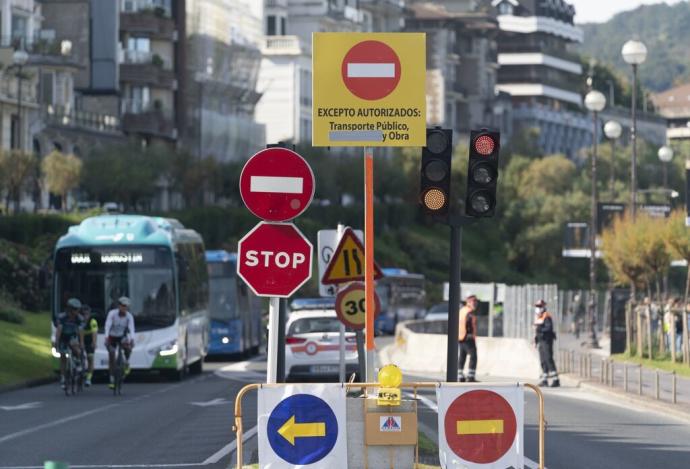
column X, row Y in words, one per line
column 347, row 263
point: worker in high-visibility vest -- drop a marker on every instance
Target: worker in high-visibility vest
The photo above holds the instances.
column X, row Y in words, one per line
column 544, row 335
column 467, row 330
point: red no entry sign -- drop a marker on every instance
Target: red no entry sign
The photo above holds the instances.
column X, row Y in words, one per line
column 480, row 426
column 371, row 70
column 274, row 259
column 277, row 184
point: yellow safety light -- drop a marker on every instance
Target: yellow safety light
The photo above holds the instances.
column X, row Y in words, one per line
column 390, row 378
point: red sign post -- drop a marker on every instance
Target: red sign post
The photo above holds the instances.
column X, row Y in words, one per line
column 371, row 70
column 480, row 426
column 274, row 259
column 277, row 184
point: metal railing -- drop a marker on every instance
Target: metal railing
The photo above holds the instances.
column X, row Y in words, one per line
column 364, row 387
column 627, row 377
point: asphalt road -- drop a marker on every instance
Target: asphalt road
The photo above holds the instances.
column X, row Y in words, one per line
column 189, row 424
column 155, row 423
column 586, row 430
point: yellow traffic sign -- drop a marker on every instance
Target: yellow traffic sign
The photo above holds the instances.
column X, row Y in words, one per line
column 347, row 262
column 369, row 89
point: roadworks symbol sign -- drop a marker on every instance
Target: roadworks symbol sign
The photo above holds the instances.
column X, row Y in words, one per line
column 347, row 263
column 391, row 423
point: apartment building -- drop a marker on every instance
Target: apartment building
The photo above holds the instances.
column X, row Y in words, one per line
column 674, row 106
column 542, row 76
column 224, row 40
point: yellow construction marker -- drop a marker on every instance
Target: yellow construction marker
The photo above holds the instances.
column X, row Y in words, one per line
column 291, row 430
column 479, row 427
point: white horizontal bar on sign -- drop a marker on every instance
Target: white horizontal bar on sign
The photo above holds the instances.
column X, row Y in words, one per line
column 364, row 70
column 285, row 185
column 355, row 136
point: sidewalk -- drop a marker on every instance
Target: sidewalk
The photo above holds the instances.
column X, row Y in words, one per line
column 594, row 369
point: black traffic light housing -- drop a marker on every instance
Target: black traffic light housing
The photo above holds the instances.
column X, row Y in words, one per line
column 434, row 187
column 482, row 173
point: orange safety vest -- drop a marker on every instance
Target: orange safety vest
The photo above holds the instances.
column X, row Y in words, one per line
column 465, row 317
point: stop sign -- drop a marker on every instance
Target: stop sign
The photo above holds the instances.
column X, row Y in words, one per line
column 277, row 184
column 274, row 259
column 371, row 70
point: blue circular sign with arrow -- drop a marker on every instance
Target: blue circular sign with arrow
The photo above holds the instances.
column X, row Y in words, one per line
column 302, row 429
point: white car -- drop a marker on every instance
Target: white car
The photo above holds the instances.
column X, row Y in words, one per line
column 312, row 347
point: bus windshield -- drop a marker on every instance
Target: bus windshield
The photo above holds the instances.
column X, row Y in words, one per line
column 98, row 276
column 223, row 296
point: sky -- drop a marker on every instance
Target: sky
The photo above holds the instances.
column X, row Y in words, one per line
column 588, row 11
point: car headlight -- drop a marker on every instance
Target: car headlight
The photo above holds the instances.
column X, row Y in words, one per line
column 167, row 349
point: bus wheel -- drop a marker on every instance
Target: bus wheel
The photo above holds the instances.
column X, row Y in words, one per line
column 197, row 367
column 176, row 375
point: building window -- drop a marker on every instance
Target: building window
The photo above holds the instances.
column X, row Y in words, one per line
column 138, row 50
column 47, row 88
column 505, row 8
column 283, row 29
column 138, row 99
column 19, row 29
column 14, row 131
column 271, row 25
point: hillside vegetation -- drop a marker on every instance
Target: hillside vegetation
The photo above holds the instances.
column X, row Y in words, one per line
column 665, row 31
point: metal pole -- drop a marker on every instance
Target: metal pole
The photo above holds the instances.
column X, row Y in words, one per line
column 341, row 328
column 19, row 109
column 625, row 377
column 639, row 384
column 593, row 241
column 665, row 167
column 360, row 354
column 369, row 258
column 454, row 303
column 656, row 384
column 271, row 365
column 612, row 182
column 633, row 140
column 280, row 351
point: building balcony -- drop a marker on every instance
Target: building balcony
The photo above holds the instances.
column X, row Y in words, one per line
column 151, row 122
column 284, row 45
column 59, row 116
column 140, row 69
column 148, row 23
column 43, row 49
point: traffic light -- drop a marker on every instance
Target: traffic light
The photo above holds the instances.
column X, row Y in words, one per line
column 434, row 188
column 482, row 173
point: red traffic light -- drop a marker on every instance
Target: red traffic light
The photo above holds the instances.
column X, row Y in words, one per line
column 484, row 145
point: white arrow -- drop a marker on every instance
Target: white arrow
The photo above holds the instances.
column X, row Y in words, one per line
column 27, row 406
column 217, row 401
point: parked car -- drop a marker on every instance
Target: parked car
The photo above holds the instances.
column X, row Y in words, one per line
column 437, row 312
column 312, row 347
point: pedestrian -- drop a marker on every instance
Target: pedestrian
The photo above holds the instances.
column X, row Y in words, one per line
column 669, row 323
column 467, row 330
column 544, row 335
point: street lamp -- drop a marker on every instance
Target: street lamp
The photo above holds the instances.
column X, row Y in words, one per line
column 634, row 53
column 19, row 59
column 595, row 103
column 665, row 156
column 613, row 131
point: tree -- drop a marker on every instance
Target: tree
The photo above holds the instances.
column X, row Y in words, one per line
column 16, row 170
column 678, row 241
column 61, row 173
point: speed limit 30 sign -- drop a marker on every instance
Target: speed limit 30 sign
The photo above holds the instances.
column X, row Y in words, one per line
column 350, row 306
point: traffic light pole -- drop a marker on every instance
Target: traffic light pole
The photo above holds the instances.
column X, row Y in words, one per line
column 280, row 364
column 454, row 302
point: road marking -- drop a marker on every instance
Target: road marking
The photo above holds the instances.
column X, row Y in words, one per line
column 27, row 406
column 213, row 459
column 284, row 185
column 229, row 448
column 432, row 405
column 371, row 70
column 81, row 415
column 212, row 402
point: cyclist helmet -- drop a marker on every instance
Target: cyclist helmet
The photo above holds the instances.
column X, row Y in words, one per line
column 74, row 303
column 124, row 301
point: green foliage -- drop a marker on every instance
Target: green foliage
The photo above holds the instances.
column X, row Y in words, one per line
column 663, row 29
column 25, row 350
column 9, row 310
column 17, row 170
column 19, row 276
column 61, row 173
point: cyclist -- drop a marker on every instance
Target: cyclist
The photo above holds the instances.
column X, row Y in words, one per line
column 69, row 335
column 90, row 336
column 119, row 330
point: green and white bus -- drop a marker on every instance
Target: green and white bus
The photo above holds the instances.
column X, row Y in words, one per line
column 160, row 265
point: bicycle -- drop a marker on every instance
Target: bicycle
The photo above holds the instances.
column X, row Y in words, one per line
column 118, row 371
column 74, row 373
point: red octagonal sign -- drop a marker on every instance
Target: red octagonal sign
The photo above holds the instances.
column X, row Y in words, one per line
column 277, row 184
column 480, row 426
column 274, row 259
